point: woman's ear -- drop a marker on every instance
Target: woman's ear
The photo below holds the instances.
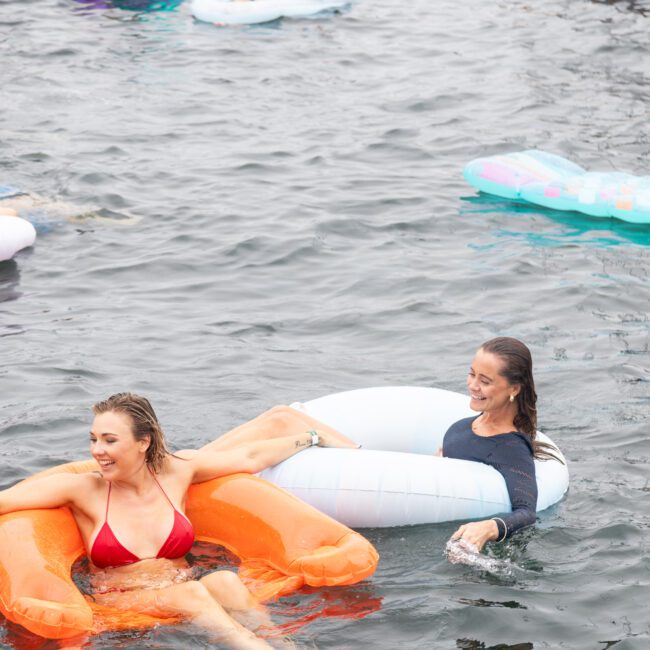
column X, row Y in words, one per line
column 144, row 443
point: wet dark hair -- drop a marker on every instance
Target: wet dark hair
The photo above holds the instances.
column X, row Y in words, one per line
column 144, row 424
column 518, row 370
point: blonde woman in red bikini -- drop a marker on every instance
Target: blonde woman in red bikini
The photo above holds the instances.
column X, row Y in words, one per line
column 131, row 513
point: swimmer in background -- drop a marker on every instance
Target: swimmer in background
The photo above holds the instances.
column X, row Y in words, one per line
column 14, row 201
column 131, row 513
column 503, row 435
column 41, row 211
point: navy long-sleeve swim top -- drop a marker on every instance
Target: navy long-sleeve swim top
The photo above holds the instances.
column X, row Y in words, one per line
column 509, row 453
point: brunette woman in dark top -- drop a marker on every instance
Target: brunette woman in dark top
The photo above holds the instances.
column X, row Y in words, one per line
column 503, row 435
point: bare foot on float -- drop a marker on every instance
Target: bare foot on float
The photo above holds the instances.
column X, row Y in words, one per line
column 8, row 212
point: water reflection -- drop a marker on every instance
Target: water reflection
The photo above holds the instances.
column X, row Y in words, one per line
column 473, row 644
column 576, row 228
column 9, row 280
column 293, row 612
column 20, row 639
column 144, row 6
column 481, row 602
column 641, row 8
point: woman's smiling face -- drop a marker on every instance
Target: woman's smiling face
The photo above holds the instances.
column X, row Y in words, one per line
column 489, row 390
column 113, row 445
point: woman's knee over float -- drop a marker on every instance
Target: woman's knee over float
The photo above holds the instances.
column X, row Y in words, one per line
column 282, row 420
column 193, row 600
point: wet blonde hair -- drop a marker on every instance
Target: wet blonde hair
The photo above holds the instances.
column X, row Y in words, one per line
column 144, row 424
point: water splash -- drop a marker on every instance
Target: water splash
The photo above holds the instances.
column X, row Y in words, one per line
column 459, row 551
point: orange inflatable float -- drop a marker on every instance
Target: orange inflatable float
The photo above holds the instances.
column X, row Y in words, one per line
column 282, row 542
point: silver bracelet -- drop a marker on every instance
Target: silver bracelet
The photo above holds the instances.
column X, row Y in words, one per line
column 505, row 528
column 314, row 438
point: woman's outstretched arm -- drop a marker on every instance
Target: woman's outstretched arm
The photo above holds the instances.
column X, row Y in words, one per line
column 47, row 492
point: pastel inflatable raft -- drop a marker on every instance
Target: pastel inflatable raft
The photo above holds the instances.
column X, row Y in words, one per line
column 395, row 480
column 248, row 12
column 554, row 182
column 283, row 544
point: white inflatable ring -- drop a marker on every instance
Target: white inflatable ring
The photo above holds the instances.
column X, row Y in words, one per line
column 395, row 480
column 15, row 234
column 247, row 12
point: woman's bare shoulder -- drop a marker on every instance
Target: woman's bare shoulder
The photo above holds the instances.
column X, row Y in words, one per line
column 179, row 463
column 50, row 491
column 184, row 454
column 87, row 479
column 82, row 485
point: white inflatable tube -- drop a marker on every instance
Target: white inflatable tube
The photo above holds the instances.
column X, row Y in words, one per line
column 395, row 480
column 15, row 234
column 247, row 12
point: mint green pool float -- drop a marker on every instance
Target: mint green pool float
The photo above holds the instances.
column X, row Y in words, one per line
column 554, row 182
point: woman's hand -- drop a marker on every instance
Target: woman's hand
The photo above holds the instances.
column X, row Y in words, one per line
column 478, row 532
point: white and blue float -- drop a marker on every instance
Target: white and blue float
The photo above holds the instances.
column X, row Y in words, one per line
column 554, row 182
column 395, row 479
column 15, row 233
column 249, row 12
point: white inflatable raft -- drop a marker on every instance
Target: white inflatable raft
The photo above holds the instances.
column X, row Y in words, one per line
column 395, row 480
column 248, row 12
column 15, row 234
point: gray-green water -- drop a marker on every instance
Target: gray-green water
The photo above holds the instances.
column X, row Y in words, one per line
column 297, row 224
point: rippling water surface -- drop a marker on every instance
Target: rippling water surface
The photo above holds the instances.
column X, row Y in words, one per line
column 267, row 214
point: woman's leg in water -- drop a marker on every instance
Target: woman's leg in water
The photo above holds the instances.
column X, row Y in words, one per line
column 232, row 594
column 192, row 601
column 277, row 422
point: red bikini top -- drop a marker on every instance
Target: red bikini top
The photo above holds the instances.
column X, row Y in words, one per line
column 107, row 551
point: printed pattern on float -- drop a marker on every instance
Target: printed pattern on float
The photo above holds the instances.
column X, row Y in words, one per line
column 554, row 182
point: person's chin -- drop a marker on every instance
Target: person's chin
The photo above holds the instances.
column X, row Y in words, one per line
column 477, row 404
column 107, row 469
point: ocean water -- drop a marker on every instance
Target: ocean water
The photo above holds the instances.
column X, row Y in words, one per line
column 231, row 218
